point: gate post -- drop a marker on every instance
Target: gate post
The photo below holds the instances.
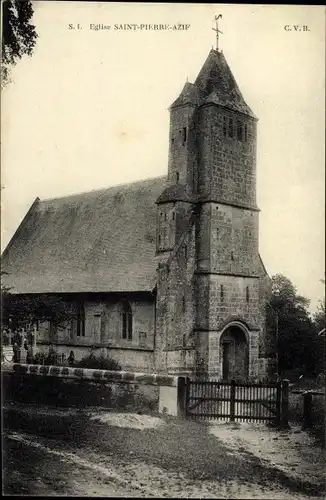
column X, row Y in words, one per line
column 182, row 395
column 307, row 406
column 232, row 401
column 285, row 404
column 278, row 403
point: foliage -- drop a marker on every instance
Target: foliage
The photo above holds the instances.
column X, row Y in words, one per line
column 18, row 33
column 40, row 358
column 319, row 316
column 23, row 311
column 99, row 363
column 298, row 343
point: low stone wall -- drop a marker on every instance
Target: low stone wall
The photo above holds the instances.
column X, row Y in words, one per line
column 67, row 386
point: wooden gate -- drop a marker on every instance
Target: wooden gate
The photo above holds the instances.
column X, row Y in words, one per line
column 232, row 401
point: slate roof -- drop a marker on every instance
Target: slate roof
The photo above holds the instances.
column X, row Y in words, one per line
column 176, row 192
column 215, row 84
column 100, row 241
column 189, row 95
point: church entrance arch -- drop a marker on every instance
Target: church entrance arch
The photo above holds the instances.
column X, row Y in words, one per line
column 234, row 351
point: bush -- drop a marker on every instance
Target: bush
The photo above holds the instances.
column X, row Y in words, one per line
column 98, row 363
column 39, row 358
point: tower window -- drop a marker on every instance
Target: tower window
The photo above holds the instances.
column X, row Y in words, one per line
column 126, row 314
column 183, row 304
column 165, row 216
column 232, row 256
column 159, row 239
column 183, row 341
column 247, row 293
column 184, row 135
column 173, row 215
column 172, row 140
column 222, row 293
column 186, row 252
column 177, row 177
column 246, row 132
column 224, row 126
column 230, row 127
column 217, row 232
column 239, row 130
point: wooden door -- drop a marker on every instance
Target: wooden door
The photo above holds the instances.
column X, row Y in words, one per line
column 227, row 348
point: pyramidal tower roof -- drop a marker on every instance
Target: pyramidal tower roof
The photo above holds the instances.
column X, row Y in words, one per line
column 214, row 84
column 189, row 95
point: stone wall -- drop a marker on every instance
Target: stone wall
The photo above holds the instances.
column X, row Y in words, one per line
column 182, row 158
column 103, row 333
column 234, row 240
column 227, row 165
column 228, row 301
column 175, row 314
column 66, row 386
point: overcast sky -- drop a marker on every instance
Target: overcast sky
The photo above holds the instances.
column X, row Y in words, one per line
column 90, row 110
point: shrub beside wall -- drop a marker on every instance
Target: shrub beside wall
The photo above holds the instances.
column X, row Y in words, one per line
column 91, row 361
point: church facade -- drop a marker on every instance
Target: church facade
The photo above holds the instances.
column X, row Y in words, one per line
column 164, row 274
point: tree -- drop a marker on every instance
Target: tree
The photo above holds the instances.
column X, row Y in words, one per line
column 18, row 34
column 319, row 316
column 319, row 322
column 25, row 310
column 297, row 339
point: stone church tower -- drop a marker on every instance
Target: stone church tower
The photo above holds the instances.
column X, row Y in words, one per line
column 212, row 288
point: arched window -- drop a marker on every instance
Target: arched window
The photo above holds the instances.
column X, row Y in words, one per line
column 126, row 314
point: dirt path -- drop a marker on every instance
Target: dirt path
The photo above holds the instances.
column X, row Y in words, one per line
column 112, row 454
column 293, row 451
column 98, row 475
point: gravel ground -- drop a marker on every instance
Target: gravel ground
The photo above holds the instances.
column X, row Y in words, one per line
column 294, row 451
column 157, row 456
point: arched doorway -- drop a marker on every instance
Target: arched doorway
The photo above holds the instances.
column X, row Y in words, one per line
column 234, row 353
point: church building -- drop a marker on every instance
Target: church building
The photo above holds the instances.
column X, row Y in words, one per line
column 164, row 274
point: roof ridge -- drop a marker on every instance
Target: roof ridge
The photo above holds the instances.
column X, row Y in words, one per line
column 98, row 190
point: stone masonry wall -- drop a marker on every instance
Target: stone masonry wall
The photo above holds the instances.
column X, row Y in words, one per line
column 180, row 150
column 230, row 299
column 175, row 315
column 227, row 166
column 67, row 386
column 103, row 325
column 103, row 334
column 234, row 240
